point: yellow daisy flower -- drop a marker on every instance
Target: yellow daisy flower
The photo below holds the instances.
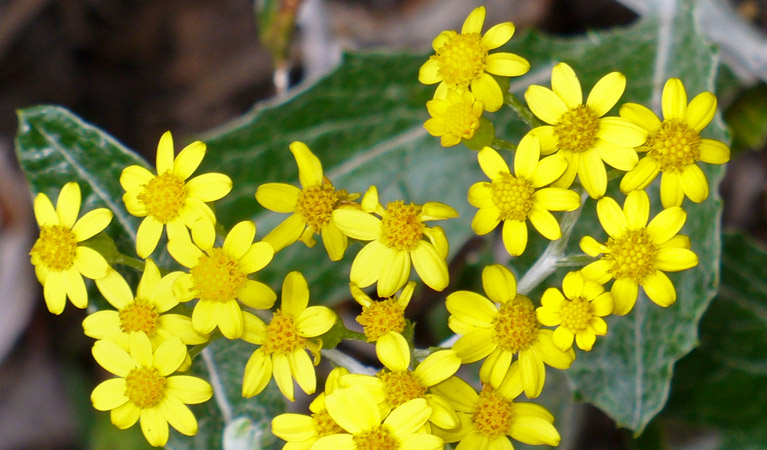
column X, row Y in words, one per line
column 674, row 146
column 302, row 431
column 489, row 418
column 218, row 276
column 500, row 332
column 355, row 410
column 455, row 117
column 285, row 340
column 144, row 390
column 384, row 316
column 59, row 259
column 398, row 384
column 578, row 312
column 312, row 206
column 464, row 60
column 578, row 132
column 142, row 313
column 169, row 200
column 637, row 253
column 514, row 199
column 397, row 239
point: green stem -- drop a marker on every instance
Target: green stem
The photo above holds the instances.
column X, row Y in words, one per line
column 349, row 334
column 503, row 145
column 197, row 349
column 521, row 110
column 129, row 261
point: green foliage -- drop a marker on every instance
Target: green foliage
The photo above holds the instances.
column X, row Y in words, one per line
column 747, row 117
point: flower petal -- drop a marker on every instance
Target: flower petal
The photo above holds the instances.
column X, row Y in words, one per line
column 164, row 158
column 68, row 204
column 641, row 175
column 278, row 197
column 471, row 308
column 499, row 283
column 366, row 267
column 624, row 293
column 209, row 187
column 258, row 372
column 309, row 166
column 256, row 258
column 545, row 104
column 506, row 64
column 674, row 101
column 497, row 35
column 393, row 351
column 475, row 345
column 357, row 224
column 611, row 217
column 700, row 111
column 659, row 289
column 395, row 270
column 694, row 183
column 565, row 84
column 557, row 199
column 45, row 214
column 257, row 295
column 515, row 236
column 430, row 266
column 189, row 159
column 675, row 259
column 666, row 224
column 714, row 152
column 527, row 156
column 315, row 320
column 474, row 21
column 640, row 115
column 636, row 209
column 545, row 223
column 335, row 241
column 486, row 90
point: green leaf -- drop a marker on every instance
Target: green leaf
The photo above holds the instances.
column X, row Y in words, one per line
column 721, row 383
column 747, row 116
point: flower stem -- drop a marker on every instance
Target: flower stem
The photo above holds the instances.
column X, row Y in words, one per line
column 521, row 110
column 503, row 145
column 129, row 261
column 342, row 359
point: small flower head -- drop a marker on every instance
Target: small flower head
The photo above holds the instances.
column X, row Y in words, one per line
column 637, row 253
column 59, row 258
column 284, row 341
column 142, row 313
column 578, row 132
column 144, row 388
column 218, row 276
column 455, row 117
column 500, row 332
column 674, row 146
column 516, row 198
column 383, row 316
column 397, row 239
column 578, row 313
column 311, row 206
column 464, row 60
column 167, row 200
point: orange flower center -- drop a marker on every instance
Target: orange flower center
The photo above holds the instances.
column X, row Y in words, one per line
column 461, row 58
column 576, row 314
column 324, row 425
column 281, row 334
column 493, row 414
column 163, row 196
column 144, row 387
column 217, row 276
column 513, row 196
column 376, row 439
column 401, row 387
column 381, row 317
column 56, row 247
column 139, row 315
column 576, row 129
column 515, row 326
column 632, row 255
column 401, row 228
column 675, row 145
column 315, row 204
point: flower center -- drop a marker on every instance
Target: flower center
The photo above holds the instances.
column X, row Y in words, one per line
column 325, row 425
column 401, row 387
column 493, row 414
column 376, row 439
column 381, row 317
column 401, row 229
column 461, row 120
column 315, row 204
column 513, row 196
column 576, row 129
column 139, row 315
column 281, row 334
column 461, row 58
column 163, row 196
column 632, row 256
column 576, row 314
column 144, row 387
column 56, row 247
column 515, row 326
column 217, row 276
column 675, row 145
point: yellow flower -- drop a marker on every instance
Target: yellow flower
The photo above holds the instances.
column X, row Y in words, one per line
column 142, row 314
column 285, row 340
column 674, row 146
column 218, row 276
column 578, row 313
column 59, row 259
column 302, row 431
column 312, row 206
column 637, row 253
column 489, row 417
column 514, row 199
column 169, row 200
column 384, row 316
column 398, row 384
column 397, row 239
column 355, row 410
column 578, row 132
column 464, row 60
column 500, row 332
column 454, row 118
column 145, row 390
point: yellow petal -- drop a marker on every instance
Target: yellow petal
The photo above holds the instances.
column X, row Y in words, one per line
column 475, row 345
column 354, row 409
column 557, row 199
column 491, row 163
column 45, row 214
column 534, row 431
column 506, row 64
column 671, row 192
column 471, row 308
column 430, row 266
column 357, row 224
column 636, row 208
column 515, row 236
column 366, row 267
column 659, row 289
column 189, row 159
column 700, row 111
column 257, row 295
column 606, row 93
column 675, row 259
column 497, row 35
column 641, row 175
column 283, row 375
column 545, row 223
column 429, row 72
column 714, row 152
column 408, row 418
column 178, row 416
column 592, row 174
column 133, row 178
column 258, row 372
column 68, row 204
column 499, row 283
column 438, row 367
column 393, row 351
column 115, row 289
column 563, row 338
column 315, row 320
column 147, row 236
column 533, row 373
column 239, row 239
column 335, row 241
column 113, row 358
column 303, row 371
column 666, row 224
column 640, row 115
column 395, row 270
column 90, row 263
column 209, row 187
column 286, row 233
column 485, row 220
column 165, row 153
column 694, row 183
column 309, row 166
column 527, row 156
column 295, row 293
column 591, row 247
column 611, row 217
column 75, row 287
column 109, row 394
column 565, row 84
column 474, row 21
column 545, row 104
column 624, row 293
column 674, row 101
column 256, row 258
column 186, row 253
column 486, row 90
column 278, row 197
column 572, row 284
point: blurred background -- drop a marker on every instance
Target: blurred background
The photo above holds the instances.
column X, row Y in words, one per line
column 139, row 68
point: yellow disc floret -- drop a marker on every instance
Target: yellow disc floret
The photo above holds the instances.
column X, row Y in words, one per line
column 315, row 204
column 461, row 120
column 401, row 228
column 56, row 247
column 513, row 196
column 675, row 145
column 217, row 276
column 576, row 129
column 461, row 58
column 139, row 315
column 164, row 196
column 515, row 326
column 381, row 317
column 144, row 387
column 376, row 439
column 493, row 414
column 324, row 425
column 401, row 387
column 632, row 255
column 576, row 314
column 281, row 335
